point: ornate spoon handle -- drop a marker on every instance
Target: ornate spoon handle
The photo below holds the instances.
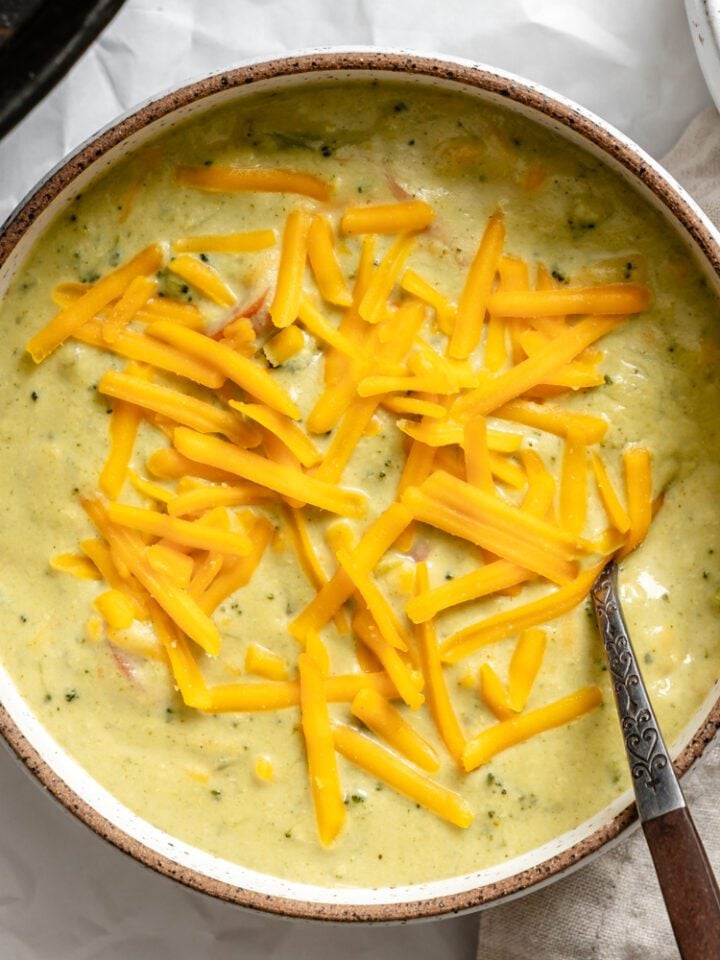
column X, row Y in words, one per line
column 686, row 879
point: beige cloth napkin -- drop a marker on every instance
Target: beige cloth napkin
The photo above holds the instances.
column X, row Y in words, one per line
column 612, row 909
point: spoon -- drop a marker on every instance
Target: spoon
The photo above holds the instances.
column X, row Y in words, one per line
column 686, row 878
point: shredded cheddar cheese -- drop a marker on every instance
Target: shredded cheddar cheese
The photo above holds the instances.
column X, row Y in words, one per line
column 386, row 766
column 384, row 720
column 112, row 286
column 476, row 292
column 509, row 732
column 405, row 217
column 236, row 179
column 228, row 243
column 288, row 290
column 244, row 463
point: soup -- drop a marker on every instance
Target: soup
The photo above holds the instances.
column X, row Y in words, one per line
column 229, row 774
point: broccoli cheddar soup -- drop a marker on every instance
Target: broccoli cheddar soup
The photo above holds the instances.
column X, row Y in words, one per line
column 321, row 413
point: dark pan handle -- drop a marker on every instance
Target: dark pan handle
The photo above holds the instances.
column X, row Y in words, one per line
column 687, row 882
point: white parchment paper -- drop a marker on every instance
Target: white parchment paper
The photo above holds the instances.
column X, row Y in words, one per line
column 65, row 894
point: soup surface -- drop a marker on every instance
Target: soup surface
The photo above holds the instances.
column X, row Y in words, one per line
column 235, row 782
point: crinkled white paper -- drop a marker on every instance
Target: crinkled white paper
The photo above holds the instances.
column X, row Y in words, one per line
column 64, row 893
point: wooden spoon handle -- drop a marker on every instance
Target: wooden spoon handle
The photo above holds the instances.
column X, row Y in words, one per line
column 687, row 882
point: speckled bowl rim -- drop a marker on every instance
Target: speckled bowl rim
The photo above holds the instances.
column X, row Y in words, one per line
column 534, row 100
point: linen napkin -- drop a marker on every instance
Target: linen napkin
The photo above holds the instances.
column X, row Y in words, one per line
column 612, row 909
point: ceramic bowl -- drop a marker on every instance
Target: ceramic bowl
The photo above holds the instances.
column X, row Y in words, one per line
column 56, row 769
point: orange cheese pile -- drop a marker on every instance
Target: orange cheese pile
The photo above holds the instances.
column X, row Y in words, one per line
column 456, row 379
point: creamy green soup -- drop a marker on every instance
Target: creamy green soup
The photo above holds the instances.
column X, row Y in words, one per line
column 192, row 774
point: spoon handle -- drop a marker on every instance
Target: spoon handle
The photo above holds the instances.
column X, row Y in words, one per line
column 687, row 882
column 686, row 879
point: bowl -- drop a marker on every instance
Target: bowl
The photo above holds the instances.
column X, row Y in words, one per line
column 60, row 774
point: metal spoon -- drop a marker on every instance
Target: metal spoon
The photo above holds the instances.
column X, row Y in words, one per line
column 686, row 878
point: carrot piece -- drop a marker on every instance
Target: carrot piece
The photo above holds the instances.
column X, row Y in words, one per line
column 253, row 179
column 510, row 732
column 110, row 287
column 386, row 722
column 476, row 292
column 388, row 767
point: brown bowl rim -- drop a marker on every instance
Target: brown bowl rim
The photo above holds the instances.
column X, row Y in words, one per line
column 471, row 75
